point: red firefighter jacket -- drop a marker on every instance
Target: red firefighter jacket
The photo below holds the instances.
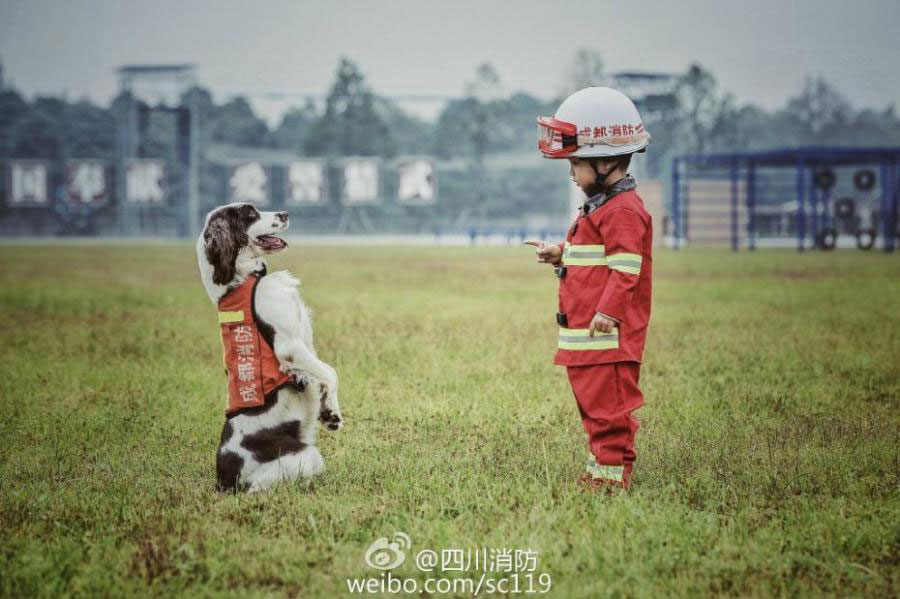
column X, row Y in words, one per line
column 606, row 267
column 250, row 361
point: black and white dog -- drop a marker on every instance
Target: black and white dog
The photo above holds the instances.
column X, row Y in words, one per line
column 274, row 442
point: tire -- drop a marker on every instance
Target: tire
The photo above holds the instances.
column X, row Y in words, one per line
column 826, row 239
column 845, row 208
column 865, row 238
column 824, row 178
column 864, row 180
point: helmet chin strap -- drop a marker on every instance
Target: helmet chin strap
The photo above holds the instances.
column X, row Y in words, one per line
column 600, row 184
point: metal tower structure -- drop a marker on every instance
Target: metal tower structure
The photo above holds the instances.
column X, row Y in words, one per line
column 159, row 88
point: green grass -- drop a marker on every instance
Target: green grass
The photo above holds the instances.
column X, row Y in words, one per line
column 768, row 457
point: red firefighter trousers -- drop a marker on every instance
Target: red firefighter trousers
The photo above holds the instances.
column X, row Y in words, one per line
column 607, row 394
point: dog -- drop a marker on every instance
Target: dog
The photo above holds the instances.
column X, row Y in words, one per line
column 269, row 435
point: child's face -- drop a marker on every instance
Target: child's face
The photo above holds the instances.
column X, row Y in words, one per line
column 581, row 172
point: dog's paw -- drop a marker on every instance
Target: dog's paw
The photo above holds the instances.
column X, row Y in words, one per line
column 330, row 420
column 300, row 381
column 329, row 413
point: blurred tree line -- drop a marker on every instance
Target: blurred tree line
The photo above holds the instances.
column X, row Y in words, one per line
column 486, row 120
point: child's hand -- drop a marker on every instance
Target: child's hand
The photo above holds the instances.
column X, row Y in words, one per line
column 547, row 253
column 602, row 324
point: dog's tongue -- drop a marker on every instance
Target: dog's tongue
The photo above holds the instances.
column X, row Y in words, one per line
column 270, row 242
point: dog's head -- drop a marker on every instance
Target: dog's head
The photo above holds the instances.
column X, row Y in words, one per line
column 236, row 238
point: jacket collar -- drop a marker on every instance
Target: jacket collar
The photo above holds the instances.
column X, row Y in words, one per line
column 626, row 183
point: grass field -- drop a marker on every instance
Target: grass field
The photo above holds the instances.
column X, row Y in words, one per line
column 768, row 457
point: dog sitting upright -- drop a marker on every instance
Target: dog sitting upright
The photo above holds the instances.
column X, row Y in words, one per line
column 278, row 389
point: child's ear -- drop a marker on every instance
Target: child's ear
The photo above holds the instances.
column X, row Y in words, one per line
column 609, row 162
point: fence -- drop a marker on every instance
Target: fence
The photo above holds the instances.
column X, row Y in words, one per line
column 819, row 197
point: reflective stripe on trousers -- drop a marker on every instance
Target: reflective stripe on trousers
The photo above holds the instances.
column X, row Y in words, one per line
column 609, row 472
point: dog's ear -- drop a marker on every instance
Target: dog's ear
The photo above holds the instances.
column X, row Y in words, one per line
column 222, row 242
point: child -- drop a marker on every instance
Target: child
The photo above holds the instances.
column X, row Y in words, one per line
column 604, row 270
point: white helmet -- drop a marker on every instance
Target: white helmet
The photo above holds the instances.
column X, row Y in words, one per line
column 593, row 122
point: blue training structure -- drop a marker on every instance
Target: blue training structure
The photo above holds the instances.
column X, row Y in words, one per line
column 777, row 195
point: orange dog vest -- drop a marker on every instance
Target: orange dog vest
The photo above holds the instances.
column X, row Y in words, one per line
column 250, row 361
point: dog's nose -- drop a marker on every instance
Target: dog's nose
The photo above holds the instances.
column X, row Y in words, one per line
column 282, row 216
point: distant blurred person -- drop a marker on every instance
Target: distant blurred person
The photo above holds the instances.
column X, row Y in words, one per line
column 604, row 270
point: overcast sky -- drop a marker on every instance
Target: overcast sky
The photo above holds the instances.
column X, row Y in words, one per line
column 759, row 51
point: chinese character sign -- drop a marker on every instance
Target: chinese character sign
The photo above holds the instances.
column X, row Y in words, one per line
column 361, row 182
column 145, row 181
column 86, row 182
column 305, row 182
column 27, row 183
column 416, row 182
column 249, row 182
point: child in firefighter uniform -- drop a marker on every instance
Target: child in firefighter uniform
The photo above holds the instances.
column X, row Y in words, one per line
column 604, row 270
